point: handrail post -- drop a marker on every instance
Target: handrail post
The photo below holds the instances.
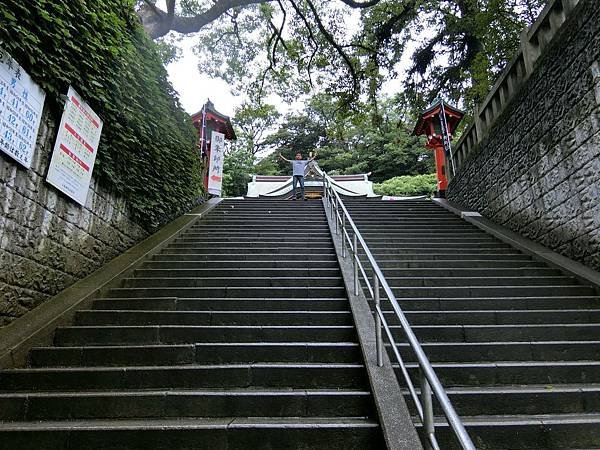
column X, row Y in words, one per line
column 427, row 404
column 337, row 228
column 331, row 206
column 355, row 252
column 343, row 235
column 378, row 338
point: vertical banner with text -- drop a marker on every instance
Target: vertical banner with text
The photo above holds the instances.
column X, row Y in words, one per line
column 21, row 105
column 217, row 154
column 75, row 149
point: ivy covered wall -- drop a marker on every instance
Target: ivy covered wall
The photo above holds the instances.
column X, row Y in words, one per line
column 146, row 172
column 147, row 152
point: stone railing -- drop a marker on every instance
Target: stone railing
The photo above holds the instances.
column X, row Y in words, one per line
column 533, row 42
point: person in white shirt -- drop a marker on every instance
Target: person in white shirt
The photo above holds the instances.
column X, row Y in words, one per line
column 298, row 168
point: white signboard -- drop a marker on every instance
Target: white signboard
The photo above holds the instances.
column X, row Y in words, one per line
column 217, row 154
column 21, row 104
column 75, row 149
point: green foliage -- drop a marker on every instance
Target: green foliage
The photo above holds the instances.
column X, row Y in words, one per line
column 352, row 143
column 237, row 168
column 147, row 151
column 267, row 166
column 407, row 185
column 252, row 123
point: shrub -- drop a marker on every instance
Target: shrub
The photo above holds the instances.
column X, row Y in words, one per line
column 407, row 185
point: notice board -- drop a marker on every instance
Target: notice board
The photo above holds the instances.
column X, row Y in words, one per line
column 75, row 149
column 21, row 105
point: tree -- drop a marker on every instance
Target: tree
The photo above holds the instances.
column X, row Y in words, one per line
column 350, row 143
column 296, row 47
column 237, row 167
column 253, row 122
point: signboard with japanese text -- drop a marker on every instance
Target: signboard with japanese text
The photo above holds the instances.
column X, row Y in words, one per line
column 21, row 105
column 215, row 171
column 75, row 149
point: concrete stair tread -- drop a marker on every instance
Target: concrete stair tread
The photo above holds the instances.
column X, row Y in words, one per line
column 249, row 391
column 503, row 326
column 233, row 327
column 184, row 367
column 524, row 389
column 215, row 311
column 195, row 423
column 500, row 364
column 540, row 419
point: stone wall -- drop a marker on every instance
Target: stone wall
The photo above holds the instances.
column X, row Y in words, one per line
column 47, row 241
column 537, row 171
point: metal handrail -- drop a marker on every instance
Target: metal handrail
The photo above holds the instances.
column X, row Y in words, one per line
column 429, row 381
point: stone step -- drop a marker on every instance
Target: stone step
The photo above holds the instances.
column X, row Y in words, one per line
column 507, row 333
column 229, row 318
column 498, row 317
column 224, row 292
column 211, row 239
column 531, row 399
column 189, row 334
column 253, row 234
column 284, row 257
column 426, row 249
column 492, row 291
column 266, row 226
column 197, row 353
column 487, row 281
column 224, row 376
column 392, row 257
column 221, row 303
column 459, row 245
column 258, row 248
column 284, row 223
column 534, row 302
column 250, row 272
column 210, row 433
column 558, row 431
column 473, row 233
column 449, row 264
column 474, row 271
column 166, row 404
column 512, row 372
column 223, row 282
column 291, row 265
column 380, row 239
column 507, row 351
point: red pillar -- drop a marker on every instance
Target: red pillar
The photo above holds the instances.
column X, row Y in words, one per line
column 440, row 166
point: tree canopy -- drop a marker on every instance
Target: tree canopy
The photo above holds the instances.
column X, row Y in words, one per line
column 339, row 56
column 349, row 48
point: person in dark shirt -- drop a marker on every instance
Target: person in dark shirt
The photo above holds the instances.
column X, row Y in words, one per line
column 298, row 168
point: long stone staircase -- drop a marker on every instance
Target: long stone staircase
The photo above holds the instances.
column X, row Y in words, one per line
column 515, row 342
column 237, row 336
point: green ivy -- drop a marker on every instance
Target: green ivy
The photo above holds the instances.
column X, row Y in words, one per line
column 147, row 150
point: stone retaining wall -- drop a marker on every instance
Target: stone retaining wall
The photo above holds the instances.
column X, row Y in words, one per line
column 537, row 171
column 47, row 241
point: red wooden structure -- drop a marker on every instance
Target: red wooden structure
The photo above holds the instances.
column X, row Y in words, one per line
column 431, row 124
column 206, row 120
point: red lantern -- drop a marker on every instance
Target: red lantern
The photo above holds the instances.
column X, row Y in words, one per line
column 438, row 123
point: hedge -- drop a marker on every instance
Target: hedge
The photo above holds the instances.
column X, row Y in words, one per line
column 407, row 185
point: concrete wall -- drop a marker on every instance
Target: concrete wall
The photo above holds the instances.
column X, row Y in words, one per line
column 47, row 242
column 537, row 170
